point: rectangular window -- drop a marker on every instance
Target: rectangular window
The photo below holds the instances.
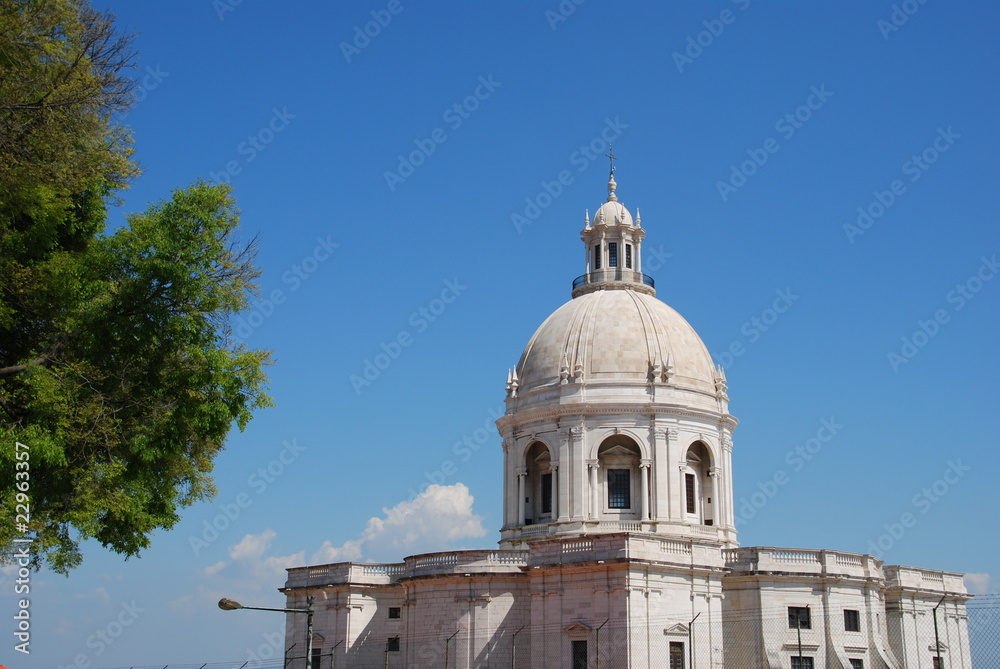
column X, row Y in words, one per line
column 317, row 657
column 393, row 611
column 547, row 493
column 579, row 655
column 676, row 655
column 597, row 256
column 619, row 495
column 852, row 621
column 798, row 617
column 689, row 481
column 938, row 663
column 628, row 256
column 802, row 662
column 613, row 254
column 392, row 644
column 856, row 663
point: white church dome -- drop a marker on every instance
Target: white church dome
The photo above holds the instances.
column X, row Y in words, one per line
column 612, row 213
column 616, row 336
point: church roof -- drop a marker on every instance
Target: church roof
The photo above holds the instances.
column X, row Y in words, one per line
column 616, row 336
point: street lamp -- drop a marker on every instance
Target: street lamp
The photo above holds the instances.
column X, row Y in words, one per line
column 231, row 605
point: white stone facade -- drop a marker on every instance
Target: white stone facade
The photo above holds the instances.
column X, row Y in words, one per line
column 618, row 546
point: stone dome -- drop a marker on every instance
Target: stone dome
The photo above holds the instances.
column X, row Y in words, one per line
column 612, row 213
column 619, row 337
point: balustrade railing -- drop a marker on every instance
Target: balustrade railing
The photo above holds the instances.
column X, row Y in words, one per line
column 613, row 274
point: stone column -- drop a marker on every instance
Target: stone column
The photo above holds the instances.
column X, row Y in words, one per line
column 568, row 467
column 676, row 499
column 521, row 475
column 554, row 501
column 716, row 502
column 509, row 484
column 660, row 475
column 595, row 495
column 644, row 490
column 727, row 481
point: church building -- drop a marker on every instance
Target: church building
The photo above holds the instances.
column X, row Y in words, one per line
column 619, row 546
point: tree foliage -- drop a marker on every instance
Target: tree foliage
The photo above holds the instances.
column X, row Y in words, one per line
column 117, row 368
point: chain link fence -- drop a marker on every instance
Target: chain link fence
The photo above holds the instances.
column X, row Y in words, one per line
column 742, row 642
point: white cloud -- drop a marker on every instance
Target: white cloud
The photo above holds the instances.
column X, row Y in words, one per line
column 252, row 546
column 249, row 552
column 215, row 568
column 440, row 515
column 433, row 521
column 978, row 584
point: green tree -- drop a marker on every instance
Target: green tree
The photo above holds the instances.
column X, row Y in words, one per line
column 117, row 367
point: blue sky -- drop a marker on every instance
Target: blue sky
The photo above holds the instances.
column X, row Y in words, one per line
column 419, row 192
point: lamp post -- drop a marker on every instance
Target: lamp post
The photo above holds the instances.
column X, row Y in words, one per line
column 230, row 605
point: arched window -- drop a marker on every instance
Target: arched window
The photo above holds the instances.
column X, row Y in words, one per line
column 619, row 458
column 540, row 488
column 698, row 503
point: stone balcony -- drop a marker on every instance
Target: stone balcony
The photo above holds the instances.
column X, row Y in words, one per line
column 555, row 530
column 914, row 579
column 794, row 561
column 690, row 552
column 453, row 562
column 626, row 546
column 611, row 278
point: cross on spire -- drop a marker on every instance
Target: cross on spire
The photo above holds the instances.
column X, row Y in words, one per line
column 611, row 156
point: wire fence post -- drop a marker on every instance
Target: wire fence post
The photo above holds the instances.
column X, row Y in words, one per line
column 937, row 640
column 333, row 654
column 597, row 649
column 691, row 640
column 513, row 649
column 447, row 649
column 798, row 632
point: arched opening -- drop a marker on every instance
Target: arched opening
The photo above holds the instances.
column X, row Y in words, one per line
column 698, row 502
column 540, row 488
column 620, row 489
